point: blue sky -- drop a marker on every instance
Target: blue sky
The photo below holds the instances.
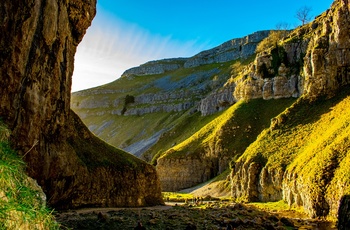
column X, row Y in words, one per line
column 127, row 33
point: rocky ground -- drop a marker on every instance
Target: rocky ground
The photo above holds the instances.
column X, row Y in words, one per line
column 210, row 215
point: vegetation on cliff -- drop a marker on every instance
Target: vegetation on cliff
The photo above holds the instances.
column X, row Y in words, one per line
column 22, row 203
column 233, row 130
column 310, row 142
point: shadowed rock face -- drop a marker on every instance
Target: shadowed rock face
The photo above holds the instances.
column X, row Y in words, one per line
column 37, row 46
column 344, row 213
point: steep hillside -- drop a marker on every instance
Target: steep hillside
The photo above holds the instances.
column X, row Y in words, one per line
column 209, row 151
column 302, row 158
column 158, row 95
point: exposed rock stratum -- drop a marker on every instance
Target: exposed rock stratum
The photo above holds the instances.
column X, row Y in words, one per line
column 37, row 46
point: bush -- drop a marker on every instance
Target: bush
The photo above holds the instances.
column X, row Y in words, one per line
column 272, row 40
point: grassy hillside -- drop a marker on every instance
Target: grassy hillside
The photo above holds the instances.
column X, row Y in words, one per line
column 121, row 131
column 310, row 139
column 21, row 205
column 232, row 131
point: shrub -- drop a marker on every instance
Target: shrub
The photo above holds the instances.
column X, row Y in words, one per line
column 272, row 40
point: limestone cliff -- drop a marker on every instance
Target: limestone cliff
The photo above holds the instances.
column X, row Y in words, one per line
column 156, row 67
column 306, row 164
column 37, row 46
column 239, row 48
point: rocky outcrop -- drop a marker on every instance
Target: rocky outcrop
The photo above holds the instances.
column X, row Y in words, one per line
column 155, row 67
column 37, row 47
column 228, row 51
column 217, row 101
column 327, row 60
column 274, row 74
column 253, row 182
column 179, row 173
column 313, row 60
column 325, row 70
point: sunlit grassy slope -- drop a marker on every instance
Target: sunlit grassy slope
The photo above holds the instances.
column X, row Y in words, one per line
column 233, row 130
column 21, row 206
column 121, row 131
column 311, row 139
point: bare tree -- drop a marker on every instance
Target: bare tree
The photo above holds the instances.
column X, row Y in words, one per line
column 282, row 26
column 303, row 14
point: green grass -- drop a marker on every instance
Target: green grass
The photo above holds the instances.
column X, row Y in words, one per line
column 94, row 152
column 20, row 204
column 125, row 130
column 310, row 139
column 233, row 130
column 275, row 206
column 183, row 127
column 176, row 196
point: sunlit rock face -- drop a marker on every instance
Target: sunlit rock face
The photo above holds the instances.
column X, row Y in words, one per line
column 314, row 64
column 37, row 46
column 230, row 50
column 325, row 69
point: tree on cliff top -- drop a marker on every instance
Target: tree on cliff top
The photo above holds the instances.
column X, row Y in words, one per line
column 303, row 14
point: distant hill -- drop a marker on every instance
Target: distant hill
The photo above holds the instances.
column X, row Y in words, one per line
column 150, row 100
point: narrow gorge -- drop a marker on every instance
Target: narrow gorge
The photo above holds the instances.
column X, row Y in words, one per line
column 275, row 116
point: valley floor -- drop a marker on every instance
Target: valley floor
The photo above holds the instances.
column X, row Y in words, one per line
column 209, row 215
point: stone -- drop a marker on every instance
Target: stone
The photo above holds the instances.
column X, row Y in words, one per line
column 37, row 46
column 324, row 71
column 156, row 67
column 228, row 51
column 344, row 213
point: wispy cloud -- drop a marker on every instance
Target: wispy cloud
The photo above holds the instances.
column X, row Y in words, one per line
column 112, row 46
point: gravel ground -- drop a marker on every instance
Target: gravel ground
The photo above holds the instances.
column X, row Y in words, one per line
column 212, row 215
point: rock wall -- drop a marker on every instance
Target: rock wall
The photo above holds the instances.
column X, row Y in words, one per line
column 218, row 100
column 274, row 73
column 326, row 68
column 155, row 67
column 320, row 50
column 228, row 51
column 177, row 174
column 327, row 60
column 180, row 173
column 37, row 46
